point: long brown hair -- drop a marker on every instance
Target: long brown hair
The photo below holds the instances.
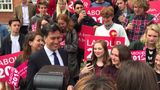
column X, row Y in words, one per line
column 66, row 18
column 106, row 54
column 124, row 52
column 26, row 47
column 135, row 75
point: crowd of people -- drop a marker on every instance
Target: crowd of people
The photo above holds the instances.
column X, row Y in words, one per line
column 51, row 38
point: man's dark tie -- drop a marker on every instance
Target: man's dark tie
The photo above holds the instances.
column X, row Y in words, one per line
column 56, row 61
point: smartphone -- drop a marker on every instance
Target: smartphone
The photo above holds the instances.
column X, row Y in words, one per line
column 89, row 61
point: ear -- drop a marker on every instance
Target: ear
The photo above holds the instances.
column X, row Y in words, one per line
column 30, row 43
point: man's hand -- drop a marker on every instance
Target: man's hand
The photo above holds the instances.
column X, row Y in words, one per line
column 81, row 16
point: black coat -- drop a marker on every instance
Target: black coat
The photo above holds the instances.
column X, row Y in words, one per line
column 7, row 44
column 37, row 61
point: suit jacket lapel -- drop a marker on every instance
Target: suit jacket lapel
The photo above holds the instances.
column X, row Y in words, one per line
column 64, row 57
column 45, row 57
column 20, row 11
column 30, row 10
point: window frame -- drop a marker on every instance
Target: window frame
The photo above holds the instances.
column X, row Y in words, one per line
column 7, row 3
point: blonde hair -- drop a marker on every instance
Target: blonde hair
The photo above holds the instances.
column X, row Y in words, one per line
column 141, row 3
column 58, row 10
column 156, row 28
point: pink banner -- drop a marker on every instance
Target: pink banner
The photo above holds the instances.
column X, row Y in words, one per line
column 139, row 55
column 13, row 77
column 6, row 62
column 89, row 40
column 22, row 69
column 155, row 10
column 85, row 31
column 94, row 12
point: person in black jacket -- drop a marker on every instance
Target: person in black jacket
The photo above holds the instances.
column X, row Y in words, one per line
column 13, row 42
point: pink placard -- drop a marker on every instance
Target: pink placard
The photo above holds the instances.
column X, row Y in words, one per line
column 85, row 31
column 89, row 40
column 94, row 12
column 155, row 10
column 6, row 62
column 22, row 69
column 139, row 55
column 13, row 77
column 70, row 6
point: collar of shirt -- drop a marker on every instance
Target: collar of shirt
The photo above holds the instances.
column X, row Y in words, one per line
column 48, row 51
column 50, row 56
column 14, row 36
column 108, row 26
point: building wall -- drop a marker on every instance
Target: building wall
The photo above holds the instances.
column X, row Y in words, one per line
column 6, row 16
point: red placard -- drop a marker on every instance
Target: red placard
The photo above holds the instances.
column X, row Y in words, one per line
column 85, row 31
column 155, row 10
column 89, row 40
column 70, row 6
column 6, row 62
column 94, row 12
column 139, row 55
column 22, row 69
column 13, row 77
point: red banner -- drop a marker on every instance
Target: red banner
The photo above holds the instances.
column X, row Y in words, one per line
column 22, row 69
column 6, row 62
column 139, row 55
column 89, row 40
column 94, row 12
column 13, row 77
column 155, row 10
column 85, row 31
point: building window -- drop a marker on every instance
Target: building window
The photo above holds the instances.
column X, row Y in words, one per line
column 6, row 6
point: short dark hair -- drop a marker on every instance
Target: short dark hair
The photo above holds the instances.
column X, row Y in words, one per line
column 51, row 28
column 77, row 2
column 13, row 20
column 42, row 2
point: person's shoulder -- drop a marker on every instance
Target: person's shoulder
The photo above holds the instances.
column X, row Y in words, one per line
column 149, row 16
column 7, row 37
column 18, row 6
column 37, row 54
column 116, row 24
column 100, row 27
column 136, row 45
column 61, row 50
column 21, row 35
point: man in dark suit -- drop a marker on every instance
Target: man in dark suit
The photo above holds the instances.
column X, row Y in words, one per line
column 24, row 12
column 45, row 55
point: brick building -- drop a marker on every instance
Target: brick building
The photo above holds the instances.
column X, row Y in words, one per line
column 6, row 9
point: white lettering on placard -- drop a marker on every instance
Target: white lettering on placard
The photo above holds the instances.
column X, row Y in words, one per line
column 8, row 60
column 93, row 12
column 2, row 75
column 4, row 71
column 71, row 5
column 109, row 43
column 90, row 52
